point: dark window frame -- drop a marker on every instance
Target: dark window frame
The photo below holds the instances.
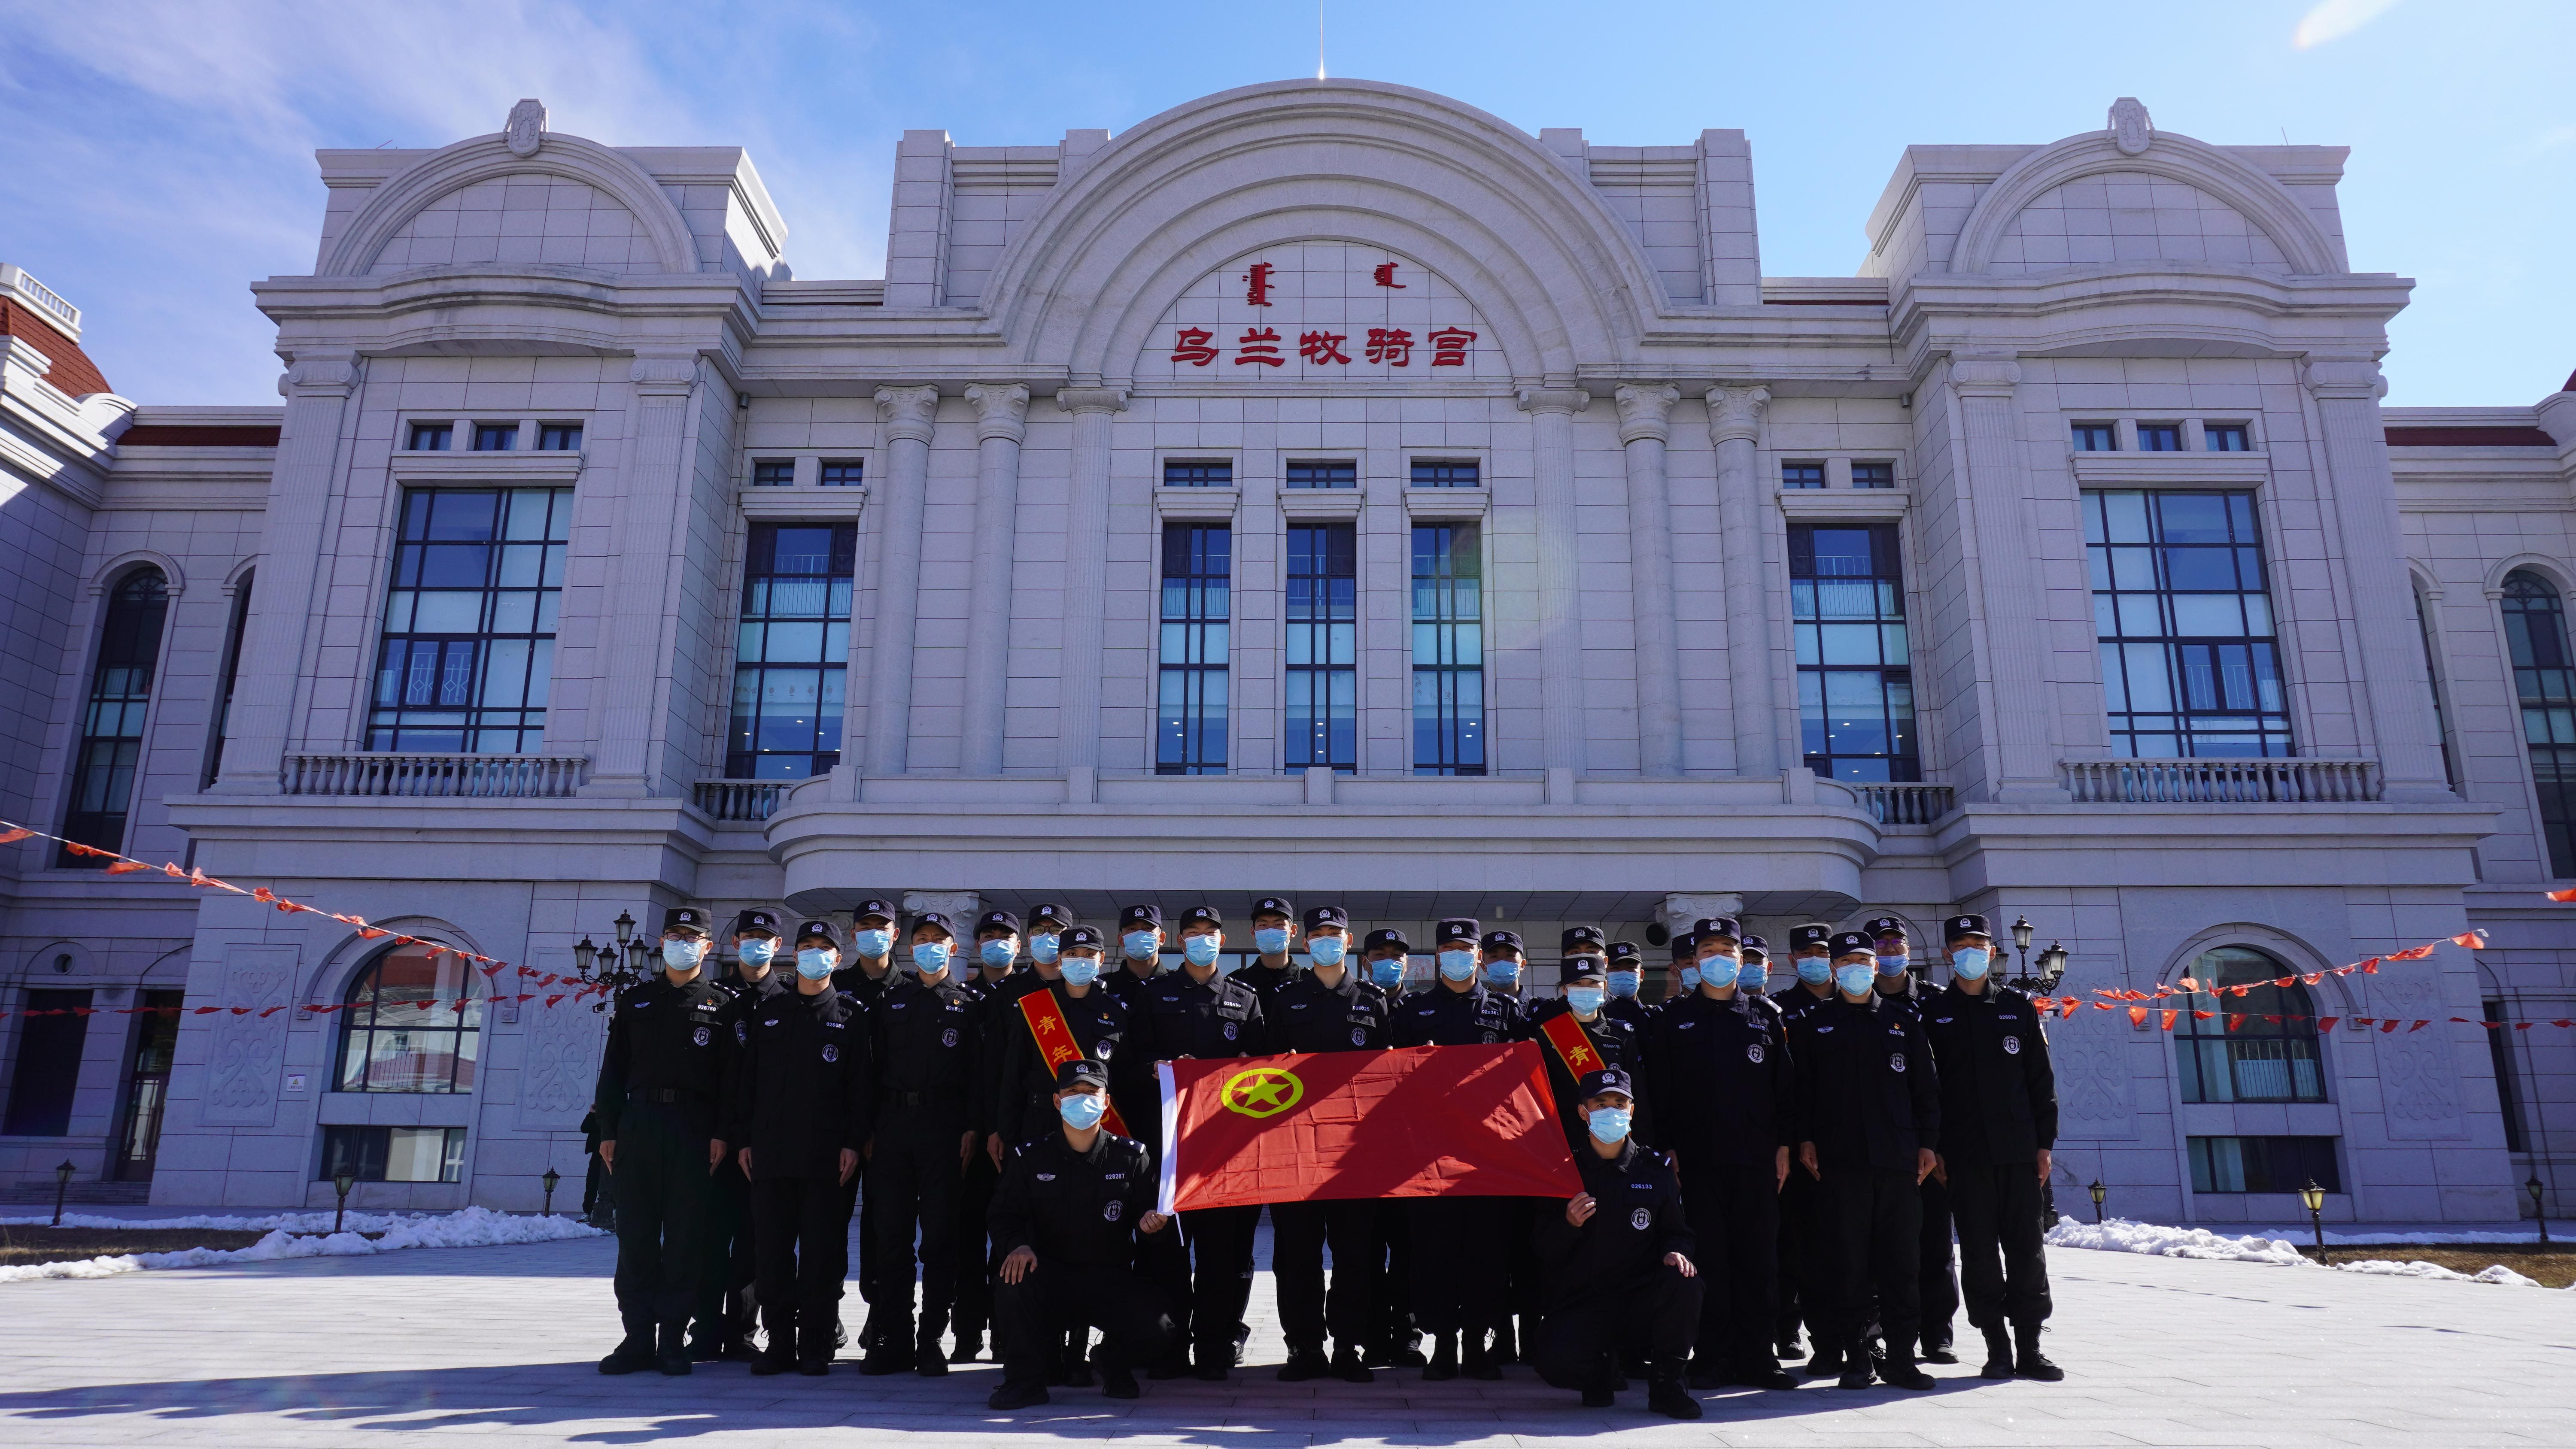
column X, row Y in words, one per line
column 501, row 437
column 1198, row 473
column 2094, row 437
column 1322, row 473
column 1881, row 473
column 1803, row 476
column 2508, row 1077
column 2268, row 1164
column 1193, row 651
column 1451, row 734
column 108, row 760
column 371, row 1009
column 2217, row 1063
column 1322, row 647
column 438, row 437
column 841, row 473
column 235, row 628
column 773, row 472
column 2159, row 437
column 559, row 437
column 2226, row 438
column 2544, row 687
column 366, row 1151
column 1447, row 473
column 2224, row 694
column 805, row 612
column 44, row 1079
column 1859, row 687
column 446, row 690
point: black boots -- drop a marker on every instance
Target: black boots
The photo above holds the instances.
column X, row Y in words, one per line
column 1482, row 1361
column 1304, row 1364
column 1999, row 1353
column 780, row 1355
column 673, row 1359
column 2028, row 1361
column 927, row 1359
column 1348, row 1367
column 1936, row 1348
column 888, row 1337
column 1899, row 1369
column 1444, row 1358
column 1665, row 1394
column 634, row 1352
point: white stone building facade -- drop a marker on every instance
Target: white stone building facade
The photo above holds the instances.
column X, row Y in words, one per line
column 1324, row 488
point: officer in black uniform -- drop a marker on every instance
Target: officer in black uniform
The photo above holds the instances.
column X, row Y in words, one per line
column 1618, row 1263
column 724, row 1314
column 1066, row 1220
column 1327, row 1008
column 1274, row 934
column 1385, row 956
column 994, row 992
column 1906, row 981
column 1456, row 1294
column 924, row 1040
column 801, row 1107
column 1719, row 1067
column 1806, row 1265
column 1198, row 1012
column 1140, row 952
column 997, row 950
column 1870, row 1126
column 1682, row 978
column 662, row 1078
column 1998, row 1126
column 870, row 971
column 1606, row 1040
column 1753, row 973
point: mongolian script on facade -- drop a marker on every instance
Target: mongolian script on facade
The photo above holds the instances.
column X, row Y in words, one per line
column 1321, row 311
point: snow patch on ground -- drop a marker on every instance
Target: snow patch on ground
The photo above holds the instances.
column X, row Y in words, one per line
column 2383, row 1268
column 2119, row 1235
column 302, row 1235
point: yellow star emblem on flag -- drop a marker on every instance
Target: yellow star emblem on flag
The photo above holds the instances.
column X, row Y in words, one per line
column 1263, row 1091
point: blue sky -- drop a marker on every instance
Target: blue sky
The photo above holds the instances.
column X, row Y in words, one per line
column 160, row 153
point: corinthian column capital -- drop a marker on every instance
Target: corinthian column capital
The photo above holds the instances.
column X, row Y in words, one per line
column 1736, row 413
column 1000, row 412
column 1645, row 409
column 908, row 411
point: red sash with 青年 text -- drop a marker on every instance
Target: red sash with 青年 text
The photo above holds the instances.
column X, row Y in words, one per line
column 1573, row 1045
column 1056, row 1045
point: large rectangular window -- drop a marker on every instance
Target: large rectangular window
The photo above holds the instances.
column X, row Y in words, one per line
column 2544, row 684
column 1448, row 650
column 393, row 1154
column 1448, row 473
column 120, row 695
column 1855, row 681
column 2190, row 665
column 1312, row 473
column 2508, row 1086
column 2433, row 688
column 233, row 633
column 2263, row 1164
column 49, row 1058
column 1323, row 646
column 1198, row 473
column 791, row 662
column 470, row 621
column 1198, row 580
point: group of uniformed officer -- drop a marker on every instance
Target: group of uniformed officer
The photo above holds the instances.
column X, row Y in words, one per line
column 994, row 1128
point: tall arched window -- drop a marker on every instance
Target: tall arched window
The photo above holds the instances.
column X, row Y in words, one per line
column 2535, row 631
column 402, row 1030
column 2259, row 1047
column 111, row 745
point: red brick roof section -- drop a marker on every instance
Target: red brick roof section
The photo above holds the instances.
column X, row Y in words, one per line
column 2470, row 438
column 175, row 436
column 73, row 372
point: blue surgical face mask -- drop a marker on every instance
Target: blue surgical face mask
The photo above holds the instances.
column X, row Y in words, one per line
column 1752, row 976
column 1139, row 944
column 1082, row 1111
column 1690, row 978
column 1200, row 950
column 930, row 957
column 1498, row 974
column 756, row 953
column 1457, row 965
column 1079, row 970
column 1584, row 999
column 1388, row 973
column 1815, row 970
column 1326, row 950
column 1968, row 963
column 1270, row 940
column 1625, row 983
column 1891, row 964
column 1853, row 979
column 1609, row 1124
column 814, row 965
column 996, row 954
column 1042, row 948
column 683, row 955
column 872, row 944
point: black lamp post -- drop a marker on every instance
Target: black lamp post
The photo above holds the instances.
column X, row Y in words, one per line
column 550, row 1179
column 344, row 1181
column 2099, row 1192
column 2533, row 1187
column 2315, row 1198
column 619, row 965
column 62, row 1184
column 2052, row 962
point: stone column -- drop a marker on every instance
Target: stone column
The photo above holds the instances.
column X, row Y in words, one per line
column 317, row 389
column 1560, row 602
column 1001, row 424
column 2020, row 762
column 1644, row 410
column 1086, row 548
column 908, row 413
column 1735, row 429
column 2363, row 496
column 653, row 487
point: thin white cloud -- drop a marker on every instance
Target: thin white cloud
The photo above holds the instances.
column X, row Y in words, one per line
column 2335, row 19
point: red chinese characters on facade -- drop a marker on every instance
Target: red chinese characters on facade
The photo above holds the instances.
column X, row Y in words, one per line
column 1323, row 347
column 1386, row 276
column 1191, row 346
column 1449, row 346
column 1259, row 344
column 1390, row 345
column 1257, row 284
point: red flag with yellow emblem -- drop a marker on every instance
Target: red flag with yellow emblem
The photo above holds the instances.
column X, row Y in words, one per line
column 1453, row 1121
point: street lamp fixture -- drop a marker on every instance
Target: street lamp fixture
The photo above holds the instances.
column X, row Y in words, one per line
column 2021, row 932
column 2052, row 968
column 62, row 1184
column 549, row 1180
column 2315, row 1198
column 2099, row 1192
column 2533, row 1187
column 625, row 927
column 342, row 1182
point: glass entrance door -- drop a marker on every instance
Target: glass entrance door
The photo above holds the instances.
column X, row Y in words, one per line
column 147, row 1083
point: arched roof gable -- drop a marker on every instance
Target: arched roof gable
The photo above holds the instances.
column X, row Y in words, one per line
column 488, row 158
column 2230, row 178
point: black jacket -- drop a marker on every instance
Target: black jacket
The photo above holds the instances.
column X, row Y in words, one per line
column 1867, row 1092
column 926, row 1041
column 670, row 1046
column 996, row 1011
column 1637, row 1221
column 1615, row 1041
column 1305, row 1015
column 801, row 1093
column 1722, row 1080
column 1073, row 1207
column 1998, row 1090
column 1438, row 1016
column 1026, row 1083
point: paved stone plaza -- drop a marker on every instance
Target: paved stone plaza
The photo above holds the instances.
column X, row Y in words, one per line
column 495, row 1346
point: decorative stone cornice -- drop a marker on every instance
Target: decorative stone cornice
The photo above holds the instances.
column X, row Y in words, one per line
column 1735, row 413
column 1000, row 412
column 663, row 376
column 1567, row 400
column 908, row 412
column 1645, row 411
column 1091, row 399
column 1984, row 376
column 317, row 376
column 2352, row 379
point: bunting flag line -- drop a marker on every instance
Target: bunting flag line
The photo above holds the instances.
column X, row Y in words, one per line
column 2474, row 940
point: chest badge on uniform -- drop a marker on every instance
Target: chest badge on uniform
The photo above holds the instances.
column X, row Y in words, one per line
column 948, row 1038
column 741, row 1032
column 1896, row 1061
column 1359, row 1036
column 702, row 1036
column 1112, row 1208
column 831, row 1052
column 1753, row 1053
column 1229, row 1031
column 1640, row 1219
column 2012, row 1046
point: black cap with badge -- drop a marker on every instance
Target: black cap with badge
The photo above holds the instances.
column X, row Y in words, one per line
column 1580, row 968
column 1202, row 916
column 1624, row 957
column 1502, row 941
column 688, row 920
column 997, row 921
column 1082, row 1072
column 1320, row 917
column 1147, row 918
column 1387, row 938
column 1578, row 937
column 1808, row 937
column 1608, row 1079
column 1882, row 928
column 1721, row 926
column 881, row 909
column 1454, row 929
column 1079, row 938
column 1686, row 946
column 756, row 922
column 1846, row 943
column 818, row 931
column 936, row 922
column 1279, row 906
column 1958, row 926
column 1048, row 913
column 1756, row 950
